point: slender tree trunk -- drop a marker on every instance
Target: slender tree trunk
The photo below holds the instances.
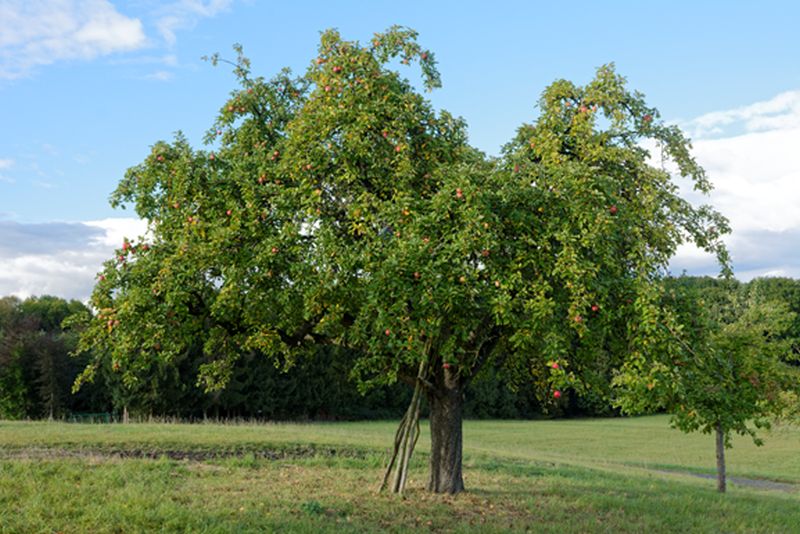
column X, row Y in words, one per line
column 405, row 439
column 720, row 458
column 446, row 413
column 125, row 414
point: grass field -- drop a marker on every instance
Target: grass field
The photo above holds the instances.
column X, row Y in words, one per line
column 598, row 475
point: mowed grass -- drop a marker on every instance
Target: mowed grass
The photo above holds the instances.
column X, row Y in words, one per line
column 599, row 475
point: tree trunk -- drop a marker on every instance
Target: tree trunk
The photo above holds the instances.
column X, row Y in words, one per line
column 125, row 414
column 406, row 438
column 720, row 458
column 446, row 410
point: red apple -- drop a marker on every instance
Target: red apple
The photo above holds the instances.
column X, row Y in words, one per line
column 613, row 210
column 327, row 88
column 554, row 365
column 212, row 156
column 446, row 365
column 387, row 332
column 595, row 307
column 459, row 193
column 274, row 250
column 647, row 118
column 485, row 253
column 417, row 276
column 228, row 213
column 556, row 394
column 578, row 318
column 424, row 56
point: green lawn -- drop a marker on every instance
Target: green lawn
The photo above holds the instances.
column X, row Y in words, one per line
column 545, row 476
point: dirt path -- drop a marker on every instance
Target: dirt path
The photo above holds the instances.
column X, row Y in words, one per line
column 154, row 453
column 739, row 481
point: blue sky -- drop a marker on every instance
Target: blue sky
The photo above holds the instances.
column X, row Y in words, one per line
column 88, row 86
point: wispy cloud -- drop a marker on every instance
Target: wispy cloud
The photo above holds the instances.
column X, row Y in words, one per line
column 778, row 113
column 59, row 258
column 159, row 75
column 39, row 33
column 750, row 154
column 6, row 164
column 184, row 14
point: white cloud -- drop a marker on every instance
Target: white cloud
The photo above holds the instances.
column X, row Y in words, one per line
column 45, row 31
column 59, row 259
column 751, row 156
column 778, row 113
column 184, row 14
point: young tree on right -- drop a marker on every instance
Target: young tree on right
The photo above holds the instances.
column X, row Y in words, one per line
column 726, row 369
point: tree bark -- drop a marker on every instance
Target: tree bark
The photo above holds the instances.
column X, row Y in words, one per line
column 720, row 458
column 446, row 404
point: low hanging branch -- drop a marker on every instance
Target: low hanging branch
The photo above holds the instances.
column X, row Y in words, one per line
column 406, row 437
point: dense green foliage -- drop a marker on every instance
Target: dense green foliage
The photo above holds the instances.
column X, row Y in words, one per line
column 36, row 371
column 339, row 207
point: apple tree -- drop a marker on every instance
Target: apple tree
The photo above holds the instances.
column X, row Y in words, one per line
column 339, row 207
column 725, row 368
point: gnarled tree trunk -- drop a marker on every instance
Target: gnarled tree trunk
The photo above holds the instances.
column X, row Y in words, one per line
column 446, row 403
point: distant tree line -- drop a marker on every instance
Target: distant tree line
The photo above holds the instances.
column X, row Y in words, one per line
column 37, row 372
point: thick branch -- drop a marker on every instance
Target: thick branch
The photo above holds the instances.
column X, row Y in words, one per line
column 484, row 353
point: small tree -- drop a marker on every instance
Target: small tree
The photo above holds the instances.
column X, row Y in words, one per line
column 339, row 207
column 724, row 370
